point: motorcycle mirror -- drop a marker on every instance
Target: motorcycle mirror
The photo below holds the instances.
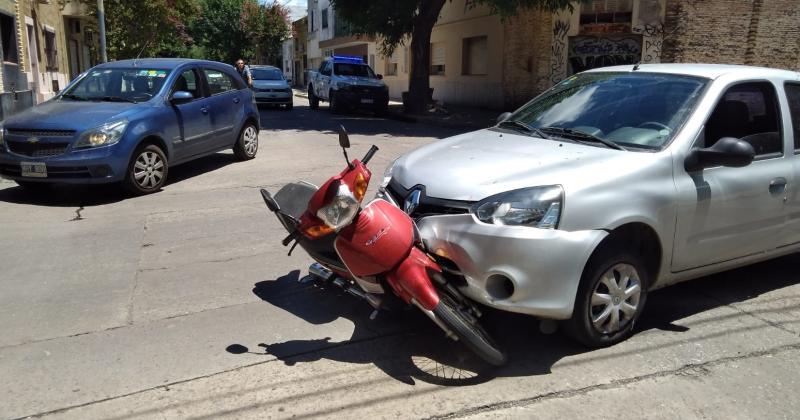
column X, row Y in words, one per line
column 344, row 140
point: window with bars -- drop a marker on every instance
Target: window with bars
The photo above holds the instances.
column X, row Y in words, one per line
column 607, row 11
column 50, row 50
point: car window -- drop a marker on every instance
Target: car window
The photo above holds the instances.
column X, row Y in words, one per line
column 326, row 69
column 358, row 70
column 188, row 82
column 636, row 110
column 118, row 84
column 747, row 111
column 793, row 97
column 266, row 74
column 219, row 82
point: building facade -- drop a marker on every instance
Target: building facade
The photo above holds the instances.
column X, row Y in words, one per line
column 479, row 60
column 44, row 46
column 300, row 36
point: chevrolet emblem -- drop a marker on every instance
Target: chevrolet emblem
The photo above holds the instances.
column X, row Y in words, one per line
column 33, row 140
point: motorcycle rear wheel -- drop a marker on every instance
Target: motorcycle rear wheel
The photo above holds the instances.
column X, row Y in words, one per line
column 468, row 330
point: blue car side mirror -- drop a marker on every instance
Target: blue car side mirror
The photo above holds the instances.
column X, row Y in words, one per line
column 181, row 97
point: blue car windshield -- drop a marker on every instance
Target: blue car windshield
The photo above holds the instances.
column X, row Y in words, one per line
column 632, row 110
column 117, row 85
column 266, row 74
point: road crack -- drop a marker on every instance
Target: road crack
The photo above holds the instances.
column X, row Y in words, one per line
column 77, row 215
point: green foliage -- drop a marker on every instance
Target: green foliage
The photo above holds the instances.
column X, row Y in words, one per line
column 509, row 8
column 155, row 28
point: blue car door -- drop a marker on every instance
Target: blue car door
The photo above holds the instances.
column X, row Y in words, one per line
column 194, row 117
column 225, row 107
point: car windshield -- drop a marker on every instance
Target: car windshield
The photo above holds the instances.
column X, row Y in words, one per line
column 358, row 70
column 117, row 85
column 619, row 110
column 266, row 74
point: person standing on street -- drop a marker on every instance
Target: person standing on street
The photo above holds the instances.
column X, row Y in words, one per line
column 244, row 71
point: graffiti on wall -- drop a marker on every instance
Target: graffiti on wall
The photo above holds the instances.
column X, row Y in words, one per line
column 558, row 51
column 651, row 26
column 588, row 52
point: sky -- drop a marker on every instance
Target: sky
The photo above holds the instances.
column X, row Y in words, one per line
column 298, row 7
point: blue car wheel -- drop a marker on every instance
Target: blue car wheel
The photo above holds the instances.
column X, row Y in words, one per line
column 147, row 170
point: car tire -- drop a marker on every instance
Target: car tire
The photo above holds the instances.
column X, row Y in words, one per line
column 289, row 107
column 313, row 101
column 246, row 146
column 335, row 106
column 382, row 109
column 610, row 299
column 147, row 170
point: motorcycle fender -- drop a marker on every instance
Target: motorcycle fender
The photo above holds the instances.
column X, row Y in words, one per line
column 410, row 280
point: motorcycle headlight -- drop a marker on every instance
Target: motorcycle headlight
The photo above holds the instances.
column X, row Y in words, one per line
column 342, row 209
column 105, row 135
column 538, row 207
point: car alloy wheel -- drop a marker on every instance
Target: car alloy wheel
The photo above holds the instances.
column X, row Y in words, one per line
column 247, row 145
column 615, row 299
column 149, row 170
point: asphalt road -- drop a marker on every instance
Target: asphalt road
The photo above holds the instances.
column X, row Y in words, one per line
column 183, row 304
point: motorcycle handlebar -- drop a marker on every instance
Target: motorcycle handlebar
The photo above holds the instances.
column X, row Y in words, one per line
column 369, row 154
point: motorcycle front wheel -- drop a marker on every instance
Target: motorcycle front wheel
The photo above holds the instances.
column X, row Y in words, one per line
column 467, row 329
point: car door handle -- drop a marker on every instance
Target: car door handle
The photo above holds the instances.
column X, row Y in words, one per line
column 236, row 100
column 777, row 185
column 204, row 110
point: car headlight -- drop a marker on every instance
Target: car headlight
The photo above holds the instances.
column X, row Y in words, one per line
column 387, row 174
column 2, row 135
column 343, row 85
column 342, row 209
column 536, row 207
column 105, row 135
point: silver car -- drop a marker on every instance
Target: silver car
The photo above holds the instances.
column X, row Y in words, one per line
column 612, row 183
column 270, row 88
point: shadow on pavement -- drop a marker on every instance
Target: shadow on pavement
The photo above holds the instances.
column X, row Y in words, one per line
column 69, row 195
column 408, row 346
column 303, row 118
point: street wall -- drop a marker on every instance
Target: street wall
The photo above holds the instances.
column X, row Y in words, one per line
column 754, row 32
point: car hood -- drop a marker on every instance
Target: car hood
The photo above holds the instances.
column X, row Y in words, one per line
column 476, row 165
column 71, row 115
column 361, row 81
column 271, row 84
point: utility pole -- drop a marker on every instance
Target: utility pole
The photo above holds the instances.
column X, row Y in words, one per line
column 101, row 18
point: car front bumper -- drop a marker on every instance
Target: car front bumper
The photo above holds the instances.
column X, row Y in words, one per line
column 543, row 266
column 92, row 166
column 363, row 98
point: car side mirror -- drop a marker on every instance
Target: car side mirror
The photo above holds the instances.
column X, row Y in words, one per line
column 502, row 117
column 728, row 151
column 344, row 139
column 180, row 97
column 380, row 77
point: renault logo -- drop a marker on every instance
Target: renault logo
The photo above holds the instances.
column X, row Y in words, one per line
column 33, row 140
column 412, row 201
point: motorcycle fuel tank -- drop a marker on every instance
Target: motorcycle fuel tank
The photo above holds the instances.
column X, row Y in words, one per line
column 380, row 237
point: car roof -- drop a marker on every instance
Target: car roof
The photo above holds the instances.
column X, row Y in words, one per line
column 161, row 63
column 263, row 66
column 709, row 71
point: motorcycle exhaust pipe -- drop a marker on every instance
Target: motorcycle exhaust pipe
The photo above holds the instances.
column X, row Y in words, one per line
column 320, row 271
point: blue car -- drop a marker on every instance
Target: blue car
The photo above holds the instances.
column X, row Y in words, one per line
column 130, row 121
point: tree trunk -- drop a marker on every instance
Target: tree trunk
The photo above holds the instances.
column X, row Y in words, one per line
column 419, row 81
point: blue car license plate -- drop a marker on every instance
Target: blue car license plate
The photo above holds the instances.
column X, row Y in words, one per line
column 33, row 169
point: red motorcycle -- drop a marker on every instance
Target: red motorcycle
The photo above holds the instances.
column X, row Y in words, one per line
column 364, row 250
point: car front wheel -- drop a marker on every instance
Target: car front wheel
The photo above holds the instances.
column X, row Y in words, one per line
column 247, row 145
column 610, row 298
column 147, row 171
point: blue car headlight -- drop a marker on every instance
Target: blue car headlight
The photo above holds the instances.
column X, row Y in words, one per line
column 104, row 135
column 538, row 207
